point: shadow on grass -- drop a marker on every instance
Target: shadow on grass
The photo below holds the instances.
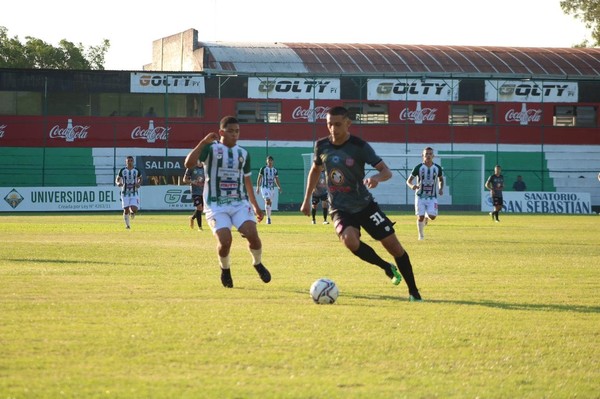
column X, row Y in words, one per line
column 61, row 261
column 550, row 307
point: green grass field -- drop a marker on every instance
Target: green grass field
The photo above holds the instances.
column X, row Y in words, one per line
column 91, row 310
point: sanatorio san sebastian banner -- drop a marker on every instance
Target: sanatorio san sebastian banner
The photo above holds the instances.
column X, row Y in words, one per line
column 541, row 202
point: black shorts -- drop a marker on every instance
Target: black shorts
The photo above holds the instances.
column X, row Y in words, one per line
column 372, row 219
column 497, row 200
column 319, row 198
column 198, row 200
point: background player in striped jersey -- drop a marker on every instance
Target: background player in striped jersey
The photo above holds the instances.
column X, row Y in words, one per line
column 129, row 179
column 268, row 178
column 319, row 194
column 228, row 195
column 343, row 158
column 430, row 184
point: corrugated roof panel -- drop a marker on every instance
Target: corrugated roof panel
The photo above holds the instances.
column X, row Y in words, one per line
column 336, row 58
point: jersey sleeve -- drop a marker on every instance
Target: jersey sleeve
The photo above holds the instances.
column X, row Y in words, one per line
column 247, row 168
column 415, row 171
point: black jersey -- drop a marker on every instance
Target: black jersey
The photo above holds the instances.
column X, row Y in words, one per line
column 497, row 183
column 345, row 170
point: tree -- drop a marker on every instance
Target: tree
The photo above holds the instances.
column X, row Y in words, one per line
column 588, row 11
column 35, row 53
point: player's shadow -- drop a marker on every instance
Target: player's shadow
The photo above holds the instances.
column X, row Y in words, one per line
column 544, row 307
column 61, row 261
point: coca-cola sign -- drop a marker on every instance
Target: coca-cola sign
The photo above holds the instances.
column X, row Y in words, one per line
column 310, row 113
column 150, row 134
column 69, row 133
column 419, row 114
column 524, row 116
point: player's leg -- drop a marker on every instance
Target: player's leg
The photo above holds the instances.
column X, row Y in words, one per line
column 125, row 205
column 325, row 207
column 347, row 227
column 393, row 246
column 221, row 223
column 246, row 224
column 420, row 210
column 313, row 211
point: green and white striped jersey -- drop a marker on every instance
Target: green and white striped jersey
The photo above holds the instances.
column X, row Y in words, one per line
column 225, row 169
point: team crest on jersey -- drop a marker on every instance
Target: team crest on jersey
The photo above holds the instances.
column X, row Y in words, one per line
column 335, row 159
column 336, row 177
column 349, row 162
column 240, row 159
column 219, row 153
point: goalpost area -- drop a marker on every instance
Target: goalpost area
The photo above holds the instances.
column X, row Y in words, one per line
column 464, row 176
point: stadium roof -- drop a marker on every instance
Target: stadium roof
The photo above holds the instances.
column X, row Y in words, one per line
column 396, row 59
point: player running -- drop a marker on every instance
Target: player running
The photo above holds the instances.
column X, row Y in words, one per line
column 428, row 174
column 268, row 178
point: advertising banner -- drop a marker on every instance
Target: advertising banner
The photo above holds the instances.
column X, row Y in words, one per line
column 294, row 88
column 531, row 91
column 412, row 89
column 153, row 82
column 540, row 202
column 91, row 199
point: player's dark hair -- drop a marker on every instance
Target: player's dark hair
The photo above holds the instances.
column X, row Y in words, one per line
column 270, row 158
column 339, row 111
column 228, row 120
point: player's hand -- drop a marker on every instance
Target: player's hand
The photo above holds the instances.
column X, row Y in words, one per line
column 370, row 182
column 259, row 214
column 305, row 208
column 210, row 137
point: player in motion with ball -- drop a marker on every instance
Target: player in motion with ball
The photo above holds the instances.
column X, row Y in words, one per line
column 228, row 195
column 352, row 206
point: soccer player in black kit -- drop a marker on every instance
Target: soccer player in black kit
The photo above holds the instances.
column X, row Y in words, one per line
column 343, row 158
column 495, row 183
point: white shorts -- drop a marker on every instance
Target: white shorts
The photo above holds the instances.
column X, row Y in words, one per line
column 225, row 216
column 130, row 200
column 427, row 206
column 266, row 193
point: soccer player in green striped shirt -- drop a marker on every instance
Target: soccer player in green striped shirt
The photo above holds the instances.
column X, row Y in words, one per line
column 228, row 195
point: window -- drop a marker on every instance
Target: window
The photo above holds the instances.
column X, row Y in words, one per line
column 471, row 114
column 368, row 113
column 258, row 112
column 580, row 116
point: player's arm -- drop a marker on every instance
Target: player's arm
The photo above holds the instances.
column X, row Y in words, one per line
column 186, row 177
column 277, row 183
column 409, row 183
column 192, row 158
column 259, row 180
column 384, row 174
column 252, row 198
column 488, row 184
column 313, row 178
column 119, row 180
column 441, row 184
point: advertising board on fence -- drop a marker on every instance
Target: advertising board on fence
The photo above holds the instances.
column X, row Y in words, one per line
column 540, row 202
column 91, row 199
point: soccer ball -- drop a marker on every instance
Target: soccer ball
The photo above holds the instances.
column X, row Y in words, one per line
column 324, row 291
